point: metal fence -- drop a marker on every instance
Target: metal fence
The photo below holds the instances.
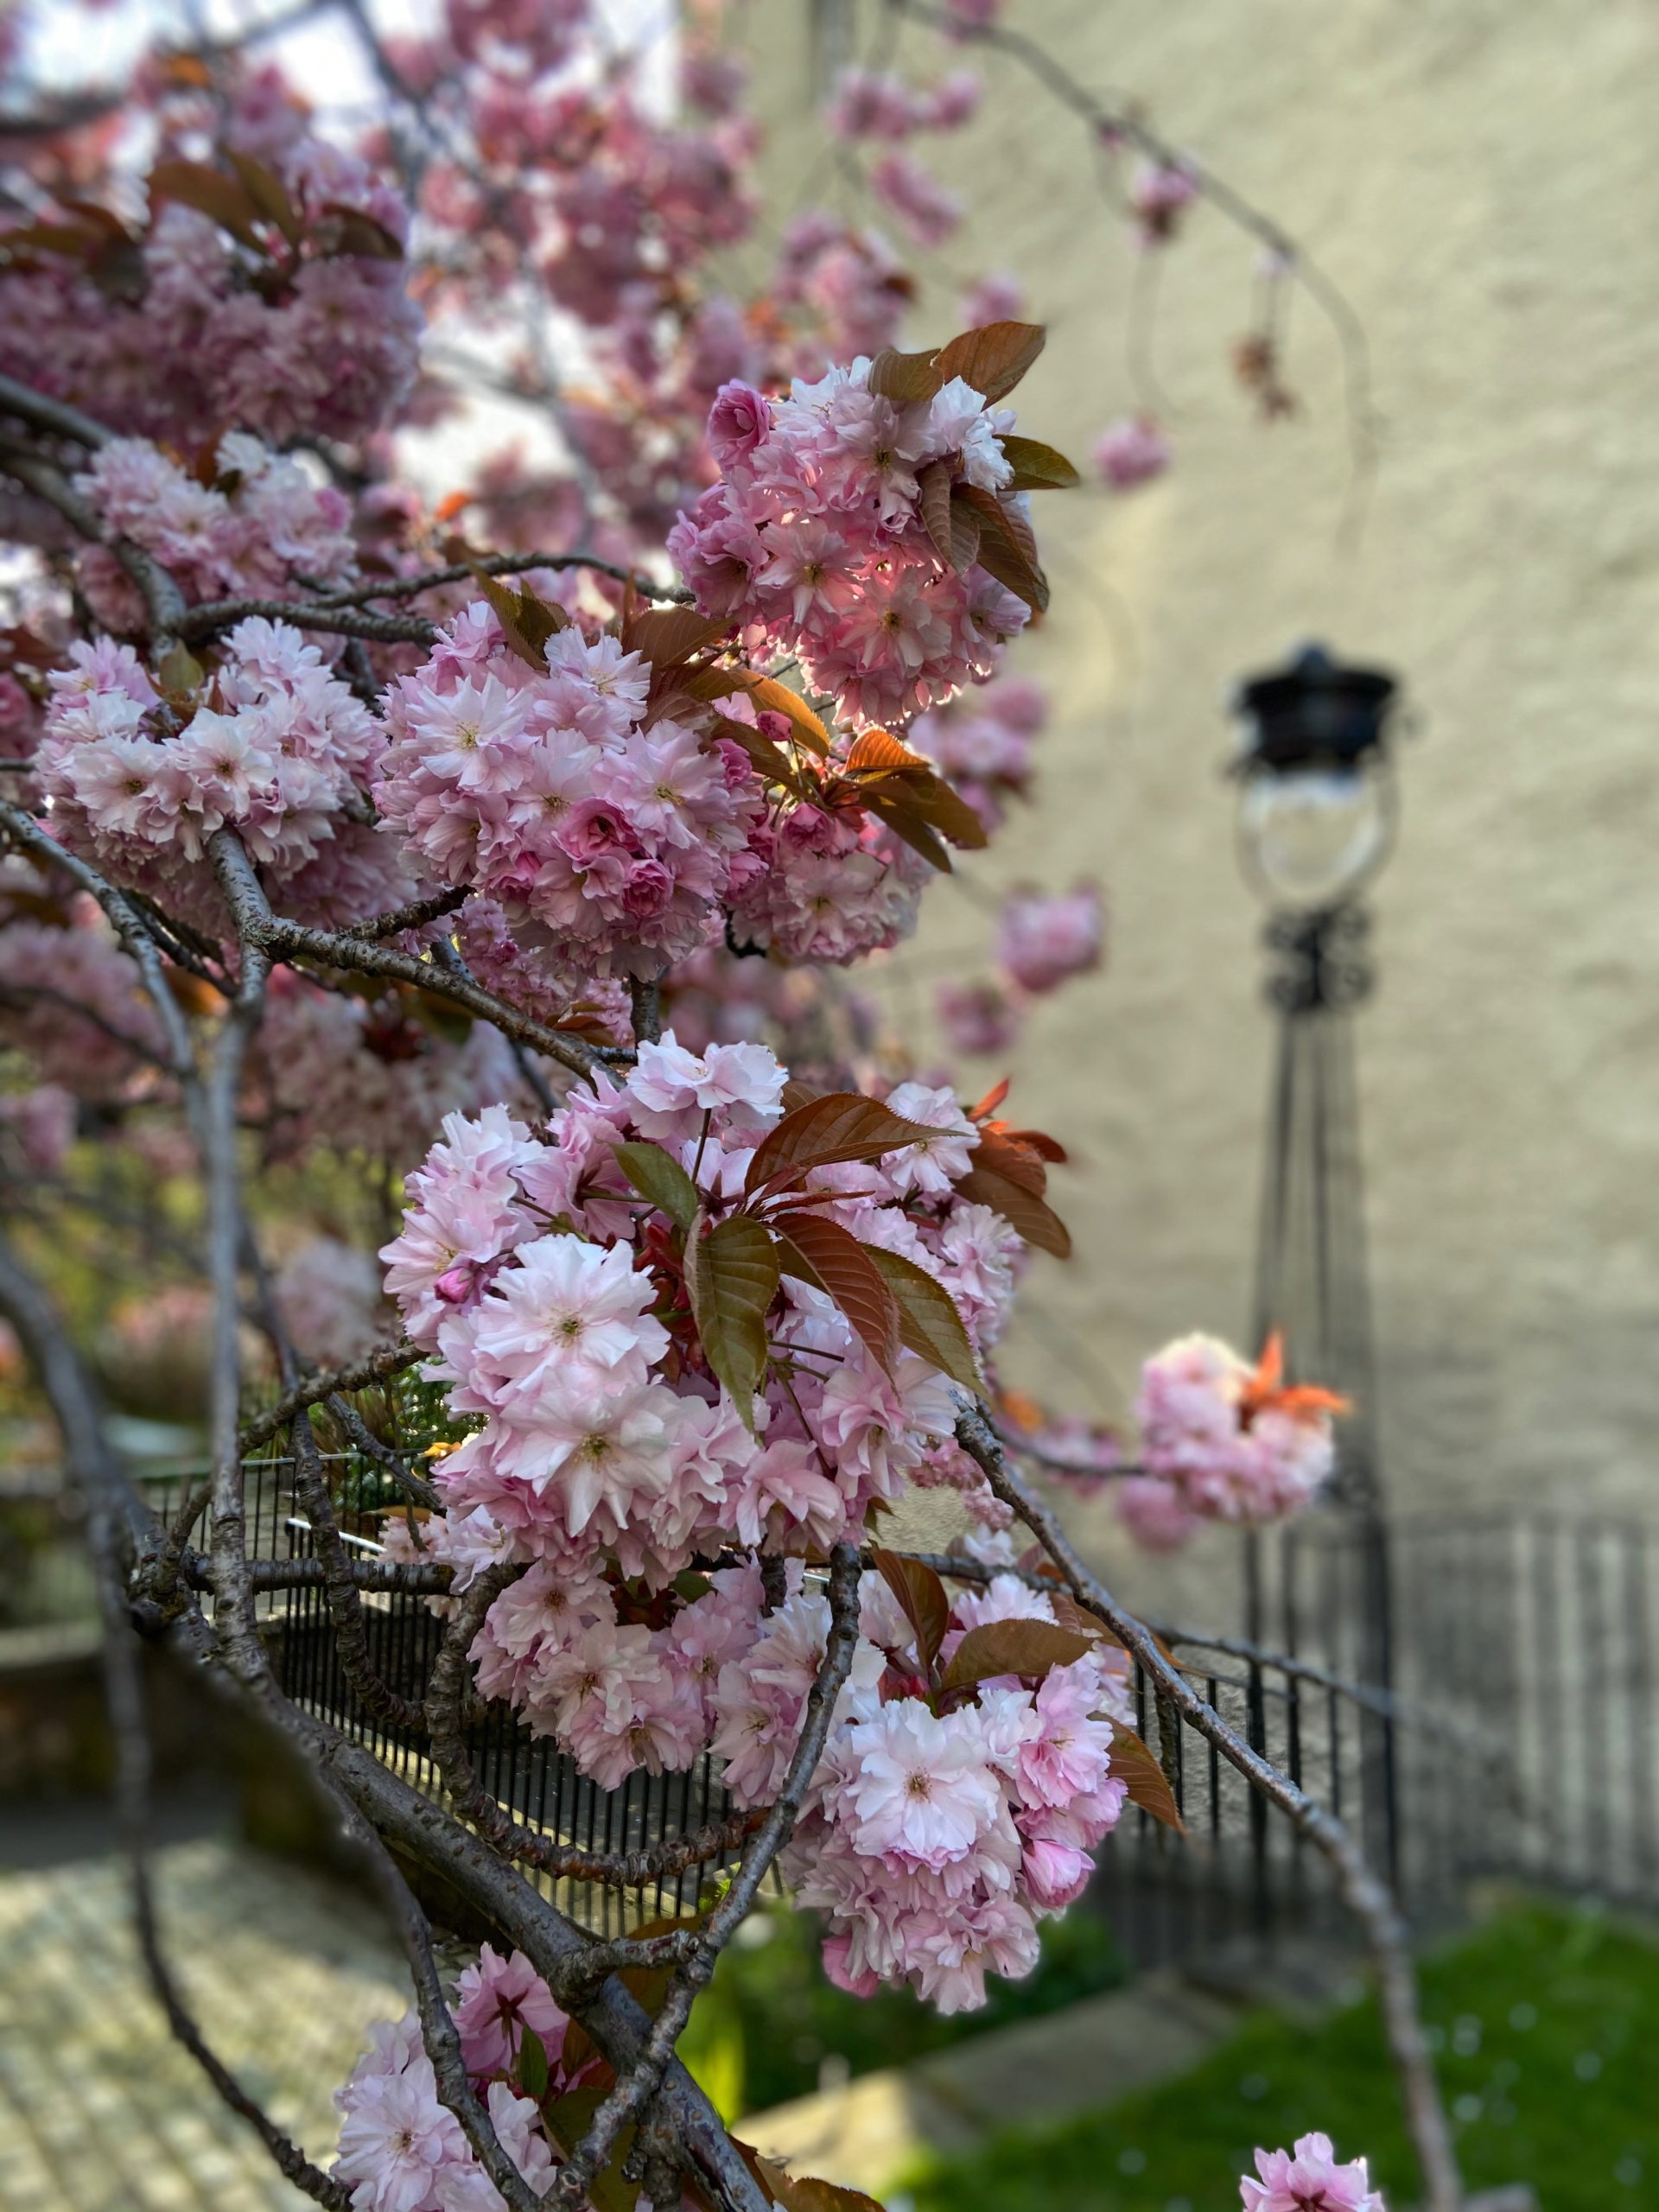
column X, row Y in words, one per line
column 1475, row 1694
column 538, row 1783
column 1511, row 1730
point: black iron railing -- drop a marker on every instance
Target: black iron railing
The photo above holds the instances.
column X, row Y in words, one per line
column 538, row 1783
column 1517, row 1733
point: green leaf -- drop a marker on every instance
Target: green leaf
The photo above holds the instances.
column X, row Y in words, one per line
column 1026, row 1648
column 731, row 1275
column 568, row 2118
column 921, row 1598
column 533, row 2066
column 180, row 671
column 656, row 1175
column 838, row 1263
column 992, row 359
column 840, row 1125
column 929, row 1323
column 1132, row 1761
column 1038, row 468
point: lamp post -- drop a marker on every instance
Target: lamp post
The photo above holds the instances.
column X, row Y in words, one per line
column 1317, row 814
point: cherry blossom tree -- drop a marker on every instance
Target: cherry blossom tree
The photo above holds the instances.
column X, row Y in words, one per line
column 497, row 854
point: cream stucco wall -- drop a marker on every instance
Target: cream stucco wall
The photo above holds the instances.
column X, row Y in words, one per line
column 1481, row 178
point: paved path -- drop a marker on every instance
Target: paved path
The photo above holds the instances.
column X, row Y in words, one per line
column 866, row 2133
column 100, row 2110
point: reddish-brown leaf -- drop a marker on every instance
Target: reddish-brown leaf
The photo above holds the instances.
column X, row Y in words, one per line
column 773, row 697
column 1038, row 468
column 992, row 359
column 1015, row 1162
column 892, row 802
column 921, row 1598
column 1025, row 1648
column 879, row 753
column 1070, row 1614
column 837, row 1125
column 934, row 482
column 837, row 1264
column 988, row 1104
column 907, row 378
column 795, row 2192
column 929, row 1323
column 668, row 636
column 797, row 1093
column 27, row 239
column 946, row 811
column 527, row 622
column 768, row 694
column 964, row 531
column 1036, row 1221
column 1001, row 554
column 1148, row 1785
column 269, row 194
column 767, row 759
column 341, row 231
column 225, row 199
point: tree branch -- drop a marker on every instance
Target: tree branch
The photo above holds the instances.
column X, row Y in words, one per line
column 1366, row 1896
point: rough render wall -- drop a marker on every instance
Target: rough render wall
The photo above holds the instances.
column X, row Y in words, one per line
column 1480, row 180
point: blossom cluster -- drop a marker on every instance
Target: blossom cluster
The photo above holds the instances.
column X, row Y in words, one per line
column 274, row 745
column 611, row 841
column 836, row 883
column 557, row 1305
column 296, row 327
column 402, row 2150
column 258, row 523
column 938, row 1830
column 814, row 539
column 74, row 1002
column 1226, row 1441
column 374, row 1074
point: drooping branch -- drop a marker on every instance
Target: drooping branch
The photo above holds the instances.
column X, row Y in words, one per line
column 635, row 2090
column 445, row 1700
column 22, row 831
column 340, row 1590
column 164, row 601
column 118, row 1528
column 1361, row 1889
column 1119, row 123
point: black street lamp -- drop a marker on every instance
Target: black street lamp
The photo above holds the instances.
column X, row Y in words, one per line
column 1317, row 814
column 1317, row 810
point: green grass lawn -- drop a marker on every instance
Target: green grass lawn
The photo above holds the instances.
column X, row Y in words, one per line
column 1547, row 2023
column 768, row 2023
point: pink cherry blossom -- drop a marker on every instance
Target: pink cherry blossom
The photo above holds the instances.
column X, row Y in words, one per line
column 1309, row 2179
